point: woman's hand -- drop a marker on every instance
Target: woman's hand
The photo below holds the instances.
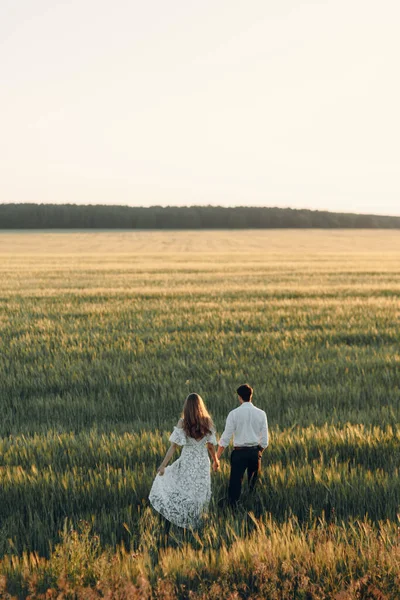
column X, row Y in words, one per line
column 161, row 470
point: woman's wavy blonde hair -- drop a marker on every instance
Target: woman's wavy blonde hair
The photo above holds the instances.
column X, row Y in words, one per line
column 197, row 421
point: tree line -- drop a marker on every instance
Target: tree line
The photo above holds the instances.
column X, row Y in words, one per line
column 75, row 216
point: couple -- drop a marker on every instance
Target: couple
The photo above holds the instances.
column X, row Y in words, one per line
column 182, row 491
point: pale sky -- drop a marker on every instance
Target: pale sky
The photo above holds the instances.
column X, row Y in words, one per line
column 227, row 102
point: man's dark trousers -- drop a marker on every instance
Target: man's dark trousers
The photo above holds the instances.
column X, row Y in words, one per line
column 242, row 459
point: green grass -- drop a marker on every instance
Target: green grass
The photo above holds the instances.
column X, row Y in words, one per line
column 102, row 335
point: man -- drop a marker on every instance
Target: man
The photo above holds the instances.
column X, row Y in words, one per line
column 249, row 427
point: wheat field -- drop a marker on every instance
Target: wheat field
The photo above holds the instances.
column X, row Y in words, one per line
column 103, row 334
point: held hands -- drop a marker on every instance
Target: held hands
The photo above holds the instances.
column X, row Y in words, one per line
column 215, row 464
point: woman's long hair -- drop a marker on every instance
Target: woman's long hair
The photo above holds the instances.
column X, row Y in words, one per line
column 196, row 419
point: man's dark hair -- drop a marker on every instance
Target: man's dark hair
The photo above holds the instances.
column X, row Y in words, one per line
column 245, row 392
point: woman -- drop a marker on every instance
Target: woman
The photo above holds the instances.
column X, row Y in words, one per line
column 182, row 491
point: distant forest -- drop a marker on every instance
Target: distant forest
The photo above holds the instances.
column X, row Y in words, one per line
column 74, row 216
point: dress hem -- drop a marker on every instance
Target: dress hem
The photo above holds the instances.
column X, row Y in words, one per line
column 171, row 520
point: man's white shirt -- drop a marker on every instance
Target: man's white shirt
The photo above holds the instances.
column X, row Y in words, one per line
column 248, row 424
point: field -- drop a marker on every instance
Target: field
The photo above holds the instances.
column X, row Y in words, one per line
column 102, row 336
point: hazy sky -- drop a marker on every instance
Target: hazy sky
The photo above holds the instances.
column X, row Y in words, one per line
column 259, row 102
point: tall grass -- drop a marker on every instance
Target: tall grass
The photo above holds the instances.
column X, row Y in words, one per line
column 341, row 473
column 347, row 561
column 101, row 338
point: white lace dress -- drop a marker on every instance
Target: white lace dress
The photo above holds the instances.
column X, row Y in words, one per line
column 182, row 494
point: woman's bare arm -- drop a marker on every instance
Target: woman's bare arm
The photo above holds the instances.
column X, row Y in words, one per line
column 167, row 458
column 213, row 455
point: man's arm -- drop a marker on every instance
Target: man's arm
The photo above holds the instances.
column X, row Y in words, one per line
column 226, row 436
column 264, row 433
